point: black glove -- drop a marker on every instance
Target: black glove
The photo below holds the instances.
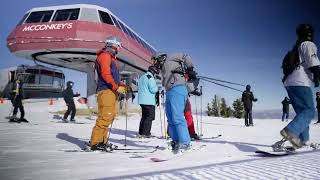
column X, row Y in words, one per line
column 255, row 99
column 191, row 73
column 316, row 75
column 157, row 99
column 196, row 93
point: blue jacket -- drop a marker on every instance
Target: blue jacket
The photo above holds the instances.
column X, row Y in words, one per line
column 147, row 89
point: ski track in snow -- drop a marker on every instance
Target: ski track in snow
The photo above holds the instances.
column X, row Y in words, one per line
column 36, row 150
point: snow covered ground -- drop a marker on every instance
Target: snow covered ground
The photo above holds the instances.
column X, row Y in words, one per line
column 37, row 150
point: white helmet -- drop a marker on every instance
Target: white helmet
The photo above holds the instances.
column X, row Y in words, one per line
column 113, row 41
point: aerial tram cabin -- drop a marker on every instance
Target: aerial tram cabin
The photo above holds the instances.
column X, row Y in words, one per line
column 38, row 81
column 70, row 35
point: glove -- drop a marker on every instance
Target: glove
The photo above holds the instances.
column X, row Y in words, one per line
column 191, row 73
column 122, row 90
column 255, row 99
column 196, row 93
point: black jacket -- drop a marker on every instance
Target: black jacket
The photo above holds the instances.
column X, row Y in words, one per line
column 247, row 98
column 68, row 95
column 285, row 105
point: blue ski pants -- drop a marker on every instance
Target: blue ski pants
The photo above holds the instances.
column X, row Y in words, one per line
column 175, row 104
column 302, row 101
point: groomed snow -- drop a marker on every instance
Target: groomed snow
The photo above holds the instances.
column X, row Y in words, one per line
column 37, row 150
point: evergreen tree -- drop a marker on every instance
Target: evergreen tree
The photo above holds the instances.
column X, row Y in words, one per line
column 229, row 112
column 213, row 108
column 223, row 108
column 209, row 110
column 238, row 108
column 216, row 106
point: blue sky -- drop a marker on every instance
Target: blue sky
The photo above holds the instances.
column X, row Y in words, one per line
column 240, row 41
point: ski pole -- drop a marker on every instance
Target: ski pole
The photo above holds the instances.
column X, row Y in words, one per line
column 109, row 133
column 160, row 117
column 201, row 111
column 195, row 99
column 164, row 116
column 125, row 134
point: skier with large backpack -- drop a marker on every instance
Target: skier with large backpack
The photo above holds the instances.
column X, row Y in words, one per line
column 301, row 69
column 173, row 68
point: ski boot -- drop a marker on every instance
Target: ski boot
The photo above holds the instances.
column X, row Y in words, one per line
column 139, row 136
column 174, row 147
column 184, row 148
column 64, row 120
column 23, row 120
column 109, row 147
column 278, row 146
column 315, row 146
column 98, row 147
column 195, row 137
column 295, row 141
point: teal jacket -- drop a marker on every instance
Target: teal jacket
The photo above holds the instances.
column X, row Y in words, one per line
column 147, row 89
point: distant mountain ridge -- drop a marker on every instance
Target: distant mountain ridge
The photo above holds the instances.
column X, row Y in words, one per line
column 271, row 114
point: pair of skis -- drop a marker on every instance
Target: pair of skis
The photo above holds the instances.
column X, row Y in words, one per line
column 110, row 148
column 288, row 151
column 179, row 154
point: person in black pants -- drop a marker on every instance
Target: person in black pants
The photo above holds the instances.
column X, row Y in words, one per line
column 247, row 98
column 68, row 98
column 318, row 106
column 147, row 90
column 285, row 108
column 16, row 100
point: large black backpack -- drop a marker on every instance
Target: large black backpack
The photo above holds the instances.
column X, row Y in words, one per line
column 290, row 62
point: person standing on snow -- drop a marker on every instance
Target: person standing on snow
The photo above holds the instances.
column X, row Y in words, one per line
column 190, row 123
column 318, row 106
column 301, row 71
column 108, row 88
column 285, row 108
column 147, row 89
column 173, row 68
column 247, row 98
column 16, row 100
column 68, row 98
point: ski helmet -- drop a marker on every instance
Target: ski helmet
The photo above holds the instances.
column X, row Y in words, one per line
column 248, row 87
column 113, row 42
column 158, row 59
column 305, row 32
column 69, row 84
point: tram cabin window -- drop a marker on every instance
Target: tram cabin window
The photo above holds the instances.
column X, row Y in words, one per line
column 66, row 14
column 105, row 17
column 39, row 16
